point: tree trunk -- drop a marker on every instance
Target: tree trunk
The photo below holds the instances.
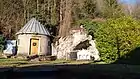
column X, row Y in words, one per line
column 65, row 17
column 57, row 16
column 61, row 17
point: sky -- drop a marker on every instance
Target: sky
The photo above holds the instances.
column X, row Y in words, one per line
column 129, row 1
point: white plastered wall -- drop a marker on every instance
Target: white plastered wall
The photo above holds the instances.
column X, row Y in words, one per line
column 24, row 46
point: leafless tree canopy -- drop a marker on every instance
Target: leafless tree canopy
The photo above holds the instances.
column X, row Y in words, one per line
column 63, row 14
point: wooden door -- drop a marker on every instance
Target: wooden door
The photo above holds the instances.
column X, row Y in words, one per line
column 34, row 46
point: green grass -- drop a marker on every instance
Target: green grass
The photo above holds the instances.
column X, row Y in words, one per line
column 91, row 67
column 15, row 62
column 10, row 62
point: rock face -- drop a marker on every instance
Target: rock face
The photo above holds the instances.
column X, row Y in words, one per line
column 78, row 43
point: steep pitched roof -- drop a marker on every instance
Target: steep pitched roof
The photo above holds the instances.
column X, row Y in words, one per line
column 33, row 26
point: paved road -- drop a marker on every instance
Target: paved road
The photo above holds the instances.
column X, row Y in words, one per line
column 66, row 72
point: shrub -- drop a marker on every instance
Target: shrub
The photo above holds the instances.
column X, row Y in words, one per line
column 116, row 38
column 90, row 26
column 2, row 43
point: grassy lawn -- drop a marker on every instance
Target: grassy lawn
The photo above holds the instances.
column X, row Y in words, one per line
column 92, row 69
column 14, row 62
column 10, row 62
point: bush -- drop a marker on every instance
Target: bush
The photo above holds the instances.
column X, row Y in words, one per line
column 116, row 38
column 90, row 26
column 2, row 43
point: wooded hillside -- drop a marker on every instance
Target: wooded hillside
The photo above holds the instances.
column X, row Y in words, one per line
column 115, row 25
column 62, row 14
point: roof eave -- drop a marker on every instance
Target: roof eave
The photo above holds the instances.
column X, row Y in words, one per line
column 32, row 33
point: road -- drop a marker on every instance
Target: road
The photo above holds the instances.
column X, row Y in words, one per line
column 67, row 72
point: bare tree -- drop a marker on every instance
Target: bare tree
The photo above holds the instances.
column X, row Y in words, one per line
column 11, row 17
column 136, row 11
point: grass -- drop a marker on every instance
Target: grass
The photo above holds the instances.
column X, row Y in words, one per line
column 12, row 62
column 99, row 68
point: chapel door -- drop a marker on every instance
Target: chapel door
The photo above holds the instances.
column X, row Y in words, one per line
column 34, row 46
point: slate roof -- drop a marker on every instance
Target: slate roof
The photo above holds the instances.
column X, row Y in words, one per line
column 33, row 27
